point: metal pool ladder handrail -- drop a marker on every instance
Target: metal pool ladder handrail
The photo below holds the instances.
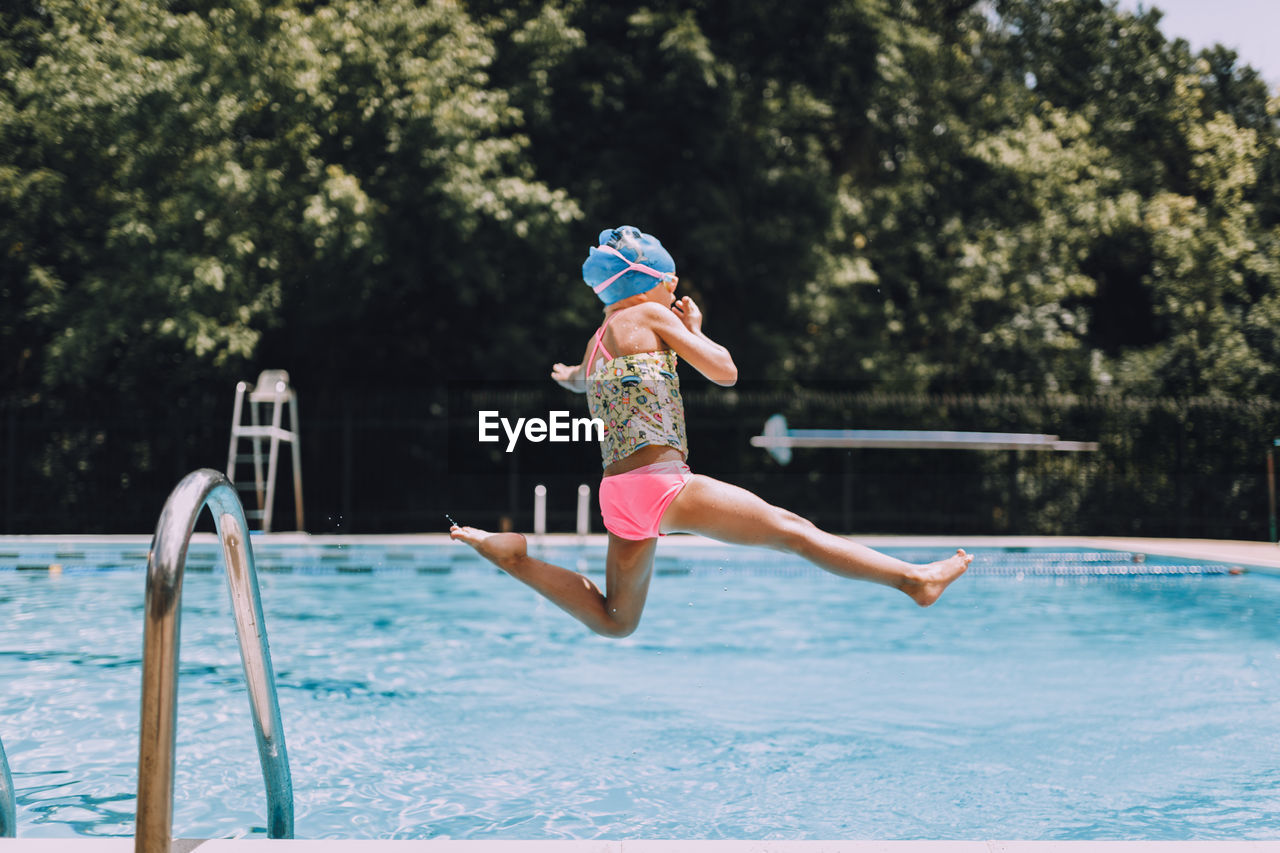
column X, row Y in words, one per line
column 160, row 657
column 8, row 807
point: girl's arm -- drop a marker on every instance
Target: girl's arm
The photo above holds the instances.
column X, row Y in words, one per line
column 681, row 329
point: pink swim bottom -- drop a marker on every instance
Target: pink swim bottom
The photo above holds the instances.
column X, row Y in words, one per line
column 633, row 503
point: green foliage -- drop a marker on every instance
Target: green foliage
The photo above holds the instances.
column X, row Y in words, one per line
column 1042, row 187
column 718, row 126
column 917, row 192
column 1215, row 270
column 177, row 183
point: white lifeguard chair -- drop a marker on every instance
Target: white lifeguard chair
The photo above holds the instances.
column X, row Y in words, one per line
column 272, row 389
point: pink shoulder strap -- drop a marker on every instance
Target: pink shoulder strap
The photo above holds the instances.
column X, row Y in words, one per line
column 600, row 344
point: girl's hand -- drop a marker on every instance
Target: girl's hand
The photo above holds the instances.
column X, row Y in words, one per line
column 569, row 377
column 564, row 372
column 689, row 314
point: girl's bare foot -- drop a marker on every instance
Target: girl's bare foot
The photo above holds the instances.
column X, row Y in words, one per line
column 933, row 578
column 504, row 550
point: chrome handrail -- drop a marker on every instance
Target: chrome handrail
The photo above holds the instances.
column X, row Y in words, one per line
column 8, row 808
column 165, row 564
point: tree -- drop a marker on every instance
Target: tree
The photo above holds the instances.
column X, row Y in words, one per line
column 177, row 182
column 1012, row 235
column 1182, row 290
column 1215, row 272
column 189, row 189
column 718, row 126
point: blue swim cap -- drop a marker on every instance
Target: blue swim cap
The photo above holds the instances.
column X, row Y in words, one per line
column 626, row 262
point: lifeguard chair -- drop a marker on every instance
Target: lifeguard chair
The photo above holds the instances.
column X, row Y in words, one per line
column 272, row 389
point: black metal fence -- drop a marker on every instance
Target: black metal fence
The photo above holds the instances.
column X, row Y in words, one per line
column 396, row 460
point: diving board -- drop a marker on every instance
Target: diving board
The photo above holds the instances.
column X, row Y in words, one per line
column 778, row 440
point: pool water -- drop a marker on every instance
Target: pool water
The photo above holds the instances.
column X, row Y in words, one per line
column 758, row 699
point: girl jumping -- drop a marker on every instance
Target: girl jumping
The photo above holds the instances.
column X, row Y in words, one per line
column 628, row 373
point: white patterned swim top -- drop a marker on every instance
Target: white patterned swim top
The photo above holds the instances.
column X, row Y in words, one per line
column 638, row 398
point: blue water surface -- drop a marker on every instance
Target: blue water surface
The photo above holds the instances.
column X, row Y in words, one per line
column 758, row 700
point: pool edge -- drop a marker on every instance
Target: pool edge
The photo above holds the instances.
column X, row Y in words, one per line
column 1250, row 555
column 222, row 845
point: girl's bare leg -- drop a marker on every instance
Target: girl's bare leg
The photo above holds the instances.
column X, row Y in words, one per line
column 628, row 570
column 711, row 508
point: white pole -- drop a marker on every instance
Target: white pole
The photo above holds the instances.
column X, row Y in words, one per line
column 539, row 510
column 584, row 509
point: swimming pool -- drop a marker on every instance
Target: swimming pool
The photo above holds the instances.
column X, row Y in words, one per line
column 1047, row 696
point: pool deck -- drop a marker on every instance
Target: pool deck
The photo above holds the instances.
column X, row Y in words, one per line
column 124, row 845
